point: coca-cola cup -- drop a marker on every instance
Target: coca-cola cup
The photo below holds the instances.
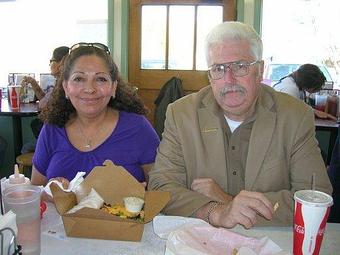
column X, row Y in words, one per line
column 310, row 218
column 14, row 96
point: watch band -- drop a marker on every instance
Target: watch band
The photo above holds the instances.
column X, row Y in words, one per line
column 212, row 208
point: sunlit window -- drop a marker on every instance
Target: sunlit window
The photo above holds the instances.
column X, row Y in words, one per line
column 173, row 35
column 154, row 39
column 296, row 32
column 30, row 30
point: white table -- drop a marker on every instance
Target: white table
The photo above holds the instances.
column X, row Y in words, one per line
column 55, row 241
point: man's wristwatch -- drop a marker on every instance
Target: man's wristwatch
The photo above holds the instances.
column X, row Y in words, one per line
column 212, row 208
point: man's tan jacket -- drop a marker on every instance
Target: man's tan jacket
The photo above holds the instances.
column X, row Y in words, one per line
column 282, row 156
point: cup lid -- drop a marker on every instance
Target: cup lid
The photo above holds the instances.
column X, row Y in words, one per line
column 313, row 198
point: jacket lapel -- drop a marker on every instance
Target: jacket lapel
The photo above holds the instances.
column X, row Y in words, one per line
column 212, row 135
column 261, row 137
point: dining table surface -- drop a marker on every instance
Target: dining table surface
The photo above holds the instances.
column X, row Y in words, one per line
column 25, row 110
column 54, row 240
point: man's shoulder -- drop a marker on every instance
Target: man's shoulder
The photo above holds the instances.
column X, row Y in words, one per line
column 194, row 100
column 284, row 103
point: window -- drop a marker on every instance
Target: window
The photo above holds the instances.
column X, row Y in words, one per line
column 166, row 39
column 30, row 31
column 296, row 32
column 173, row 35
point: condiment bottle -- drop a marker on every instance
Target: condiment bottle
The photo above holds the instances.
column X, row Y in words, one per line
column 16, row 179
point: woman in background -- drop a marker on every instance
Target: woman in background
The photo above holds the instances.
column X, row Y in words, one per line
column 308, row 78
column 43, row 96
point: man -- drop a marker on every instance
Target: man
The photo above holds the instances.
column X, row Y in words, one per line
column 236, row 148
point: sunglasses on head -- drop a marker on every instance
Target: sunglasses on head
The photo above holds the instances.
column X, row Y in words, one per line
column 95, row 45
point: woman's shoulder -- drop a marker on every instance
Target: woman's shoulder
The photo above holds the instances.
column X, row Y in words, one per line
column 132, row 119
column 51, row 130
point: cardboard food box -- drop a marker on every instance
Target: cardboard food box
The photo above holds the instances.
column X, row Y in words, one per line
column 112, row 183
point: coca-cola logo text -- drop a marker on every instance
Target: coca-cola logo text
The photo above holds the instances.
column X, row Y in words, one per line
column 301, row 230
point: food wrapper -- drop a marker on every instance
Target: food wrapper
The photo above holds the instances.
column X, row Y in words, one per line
column 198, row 237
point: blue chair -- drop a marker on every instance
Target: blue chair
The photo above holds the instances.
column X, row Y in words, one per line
column 334, row 176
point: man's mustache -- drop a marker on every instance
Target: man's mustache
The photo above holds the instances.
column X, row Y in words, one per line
column 232, row 88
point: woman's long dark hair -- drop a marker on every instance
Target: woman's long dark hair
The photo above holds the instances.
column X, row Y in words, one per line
column 59, row 109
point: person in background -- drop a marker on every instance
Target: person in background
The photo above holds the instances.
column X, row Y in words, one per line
column 55, row 66
column 237, row 148
column 43, row 96
column 92, row 116
column 307, row 79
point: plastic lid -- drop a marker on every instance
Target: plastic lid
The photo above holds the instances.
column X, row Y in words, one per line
column 313, row 198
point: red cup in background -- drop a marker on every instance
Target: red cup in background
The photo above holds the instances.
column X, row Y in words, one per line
column 14, row 96
column 310, row 218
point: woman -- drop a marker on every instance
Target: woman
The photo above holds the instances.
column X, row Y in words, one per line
column 43, row 96
column 55, row 66
column 92, row 116
column 307, row 79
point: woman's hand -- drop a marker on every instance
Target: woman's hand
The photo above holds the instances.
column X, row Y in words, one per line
column 65, row 183
column 28, row 80
column 324, row 115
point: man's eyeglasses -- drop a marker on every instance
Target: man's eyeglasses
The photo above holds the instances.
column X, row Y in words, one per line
column 238, row 68
column 95, row 45
column 53, row 60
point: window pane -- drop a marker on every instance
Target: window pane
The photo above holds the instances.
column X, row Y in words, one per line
column 299, row 35
column 181, row 37
column 207, row 18
column 153, row 37
column 30, row 30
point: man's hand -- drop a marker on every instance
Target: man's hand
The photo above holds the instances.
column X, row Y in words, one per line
column 210, row 188
column 243, row 210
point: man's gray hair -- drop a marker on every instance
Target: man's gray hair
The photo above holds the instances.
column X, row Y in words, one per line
column 234, row 31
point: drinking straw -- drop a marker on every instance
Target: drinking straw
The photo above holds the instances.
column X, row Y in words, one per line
column 313, row 184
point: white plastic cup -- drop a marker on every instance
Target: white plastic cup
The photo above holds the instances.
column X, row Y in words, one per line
column 24, row 201
column 310, row 218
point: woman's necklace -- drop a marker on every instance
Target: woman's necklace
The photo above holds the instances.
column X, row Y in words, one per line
column 88, row 141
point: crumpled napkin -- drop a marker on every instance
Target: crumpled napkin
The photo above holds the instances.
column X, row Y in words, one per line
column 8, row 220
column 92, row 200
column 72, row 186
column 194, row 236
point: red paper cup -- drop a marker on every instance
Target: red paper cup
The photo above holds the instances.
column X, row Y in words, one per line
column 310, row 218
column 14, row 96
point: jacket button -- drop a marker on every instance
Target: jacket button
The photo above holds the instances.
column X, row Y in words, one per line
column 234, row 172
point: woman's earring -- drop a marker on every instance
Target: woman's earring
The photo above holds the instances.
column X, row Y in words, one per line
column 66, row 96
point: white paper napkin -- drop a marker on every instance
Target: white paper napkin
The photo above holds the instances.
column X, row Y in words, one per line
column 194, row 236
column 72, row 186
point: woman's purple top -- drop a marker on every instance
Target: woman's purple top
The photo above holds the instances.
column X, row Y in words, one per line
column 132, row 144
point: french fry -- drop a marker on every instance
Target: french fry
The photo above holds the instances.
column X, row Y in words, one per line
column 276, row 206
